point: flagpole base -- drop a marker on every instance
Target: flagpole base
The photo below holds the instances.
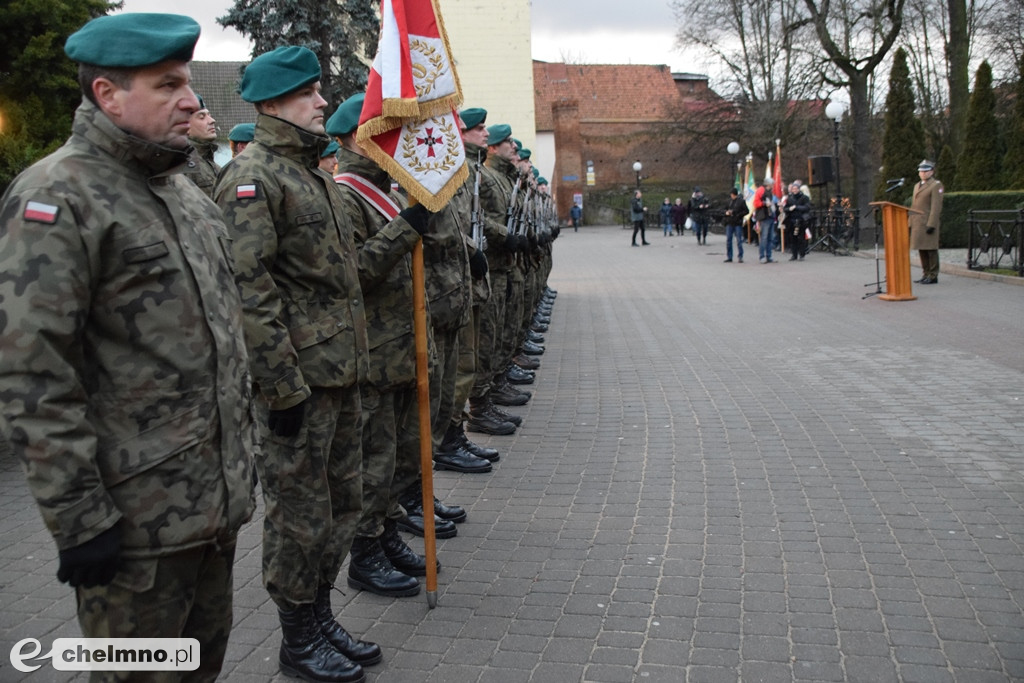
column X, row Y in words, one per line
column 431, row 599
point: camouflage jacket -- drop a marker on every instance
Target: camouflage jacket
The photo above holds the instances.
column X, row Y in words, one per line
column 385, row 274
column 496, row 186
column 446, row 250
column 202, row 170
column 295, row 265
column 123, row 373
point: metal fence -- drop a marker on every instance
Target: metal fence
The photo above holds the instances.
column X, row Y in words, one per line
column 995, row 240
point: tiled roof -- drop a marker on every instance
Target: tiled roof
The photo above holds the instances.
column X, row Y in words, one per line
column 608, row 92
column 217, row 82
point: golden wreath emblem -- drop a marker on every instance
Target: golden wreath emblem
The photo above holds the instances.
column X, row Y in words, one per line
column 421, row 162
column 428, row 64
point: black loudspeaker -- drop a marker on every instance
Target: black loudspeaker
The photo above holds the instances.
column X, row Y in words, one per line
column 819, row 170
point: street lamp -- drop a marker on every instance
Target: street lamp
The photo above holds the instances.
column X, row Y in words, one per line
column 835, row 111
column 733, row 148
column 637, row 167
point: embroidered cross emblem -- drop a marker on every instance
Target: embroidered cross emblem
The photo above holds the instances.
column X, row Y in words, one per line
column 430, row 140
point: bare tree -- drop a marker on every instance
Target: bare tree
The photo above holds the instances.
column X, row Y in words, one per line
column 856, row 36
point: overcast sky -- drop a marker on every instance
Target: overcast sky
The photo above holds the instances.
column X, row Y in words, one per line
column 582, row 31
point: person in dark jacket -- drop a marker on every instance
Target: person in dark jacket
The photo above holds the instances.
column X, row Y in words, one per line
column 698, row 207
column 734, row 214
column 636, row 214
column 796, row 209
column 679, row 213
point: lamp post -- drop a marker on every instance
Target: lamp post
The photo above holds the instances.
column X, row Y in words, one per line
column 637, row 167
column 835, row 111
column 733, row 148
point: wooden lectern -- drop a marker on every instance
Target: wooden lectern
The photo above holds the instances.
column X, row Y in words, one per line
column 897, row 251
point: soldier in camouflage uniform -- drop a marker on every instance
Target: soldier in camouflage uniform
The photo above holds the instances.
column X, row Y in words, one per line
column 202, row 134
column 296, row 269
column 123, row 371
column 385, row 232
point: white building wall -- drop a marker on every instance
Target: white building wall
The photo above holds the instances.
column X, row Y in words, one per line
column 490, row 42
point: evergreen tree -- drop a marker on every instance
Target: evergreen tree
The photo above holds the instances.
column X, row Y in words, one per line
column 978, row 166
column 342, row 33
column 38, row 83
column 946, row 170
column 1013, row 162
column 903, row 140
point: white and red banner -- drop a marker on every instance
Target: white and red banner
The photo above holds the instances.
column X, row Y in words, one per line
column 408, row 124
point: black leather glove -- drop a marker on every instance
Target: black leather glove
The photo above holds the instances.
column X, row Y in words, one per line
column 930, row 231
column 512, row 243
column 93, row 563
column 417, row 216
column 288, row 421
column 478, row 265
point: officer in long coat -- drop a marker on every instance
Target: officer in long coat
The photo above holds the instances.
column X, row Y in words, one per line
column 123, row 371
column 925, row 219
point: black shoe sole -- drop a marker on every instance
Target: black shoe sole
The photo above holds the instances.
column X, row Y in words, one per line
column 370, row 588
column 464, row 470
column 416, row 532
column 511, row 429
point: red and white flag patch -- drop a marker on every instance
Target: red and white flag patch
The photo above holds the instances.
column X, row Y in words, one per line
column 245, row 192
column 40, row 212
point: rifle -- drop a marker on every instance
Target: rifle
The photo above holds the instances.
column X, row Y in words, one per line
column 475, row 222
column 510, row 213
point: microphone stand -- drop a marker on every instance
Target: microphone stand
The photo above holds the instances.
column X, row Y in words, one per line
column 893, row 185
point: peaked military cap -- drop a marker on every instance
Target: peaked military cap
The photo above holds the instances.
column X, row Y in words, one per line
column 926, row 165
column 243, row 132
column 133, row 39
column 498, row 133
column 345, row 118
column 330, row 150
column 524, row 153
column 279, row 72
column 473, row 117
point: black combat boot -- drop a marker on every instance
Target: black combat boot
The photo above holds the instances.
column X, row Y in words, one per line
column 370, row 569
column 305, row 652
column 480, row 451
column 480, row 421
column 402, row 557
column 359, row 651
column 502, row 415
column 413, row 521
column 507, row 395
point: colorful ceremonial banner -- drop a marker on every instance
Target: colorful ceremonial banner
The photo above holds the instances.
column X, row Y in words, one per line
column 408, row 124
column 777, row 172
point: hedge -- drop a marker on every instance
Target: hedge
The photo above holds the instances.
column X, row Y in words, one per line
column 955, row 206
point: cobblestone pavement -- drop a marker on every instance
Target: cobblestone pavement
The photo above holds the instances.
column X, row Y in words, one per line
column 728, row 472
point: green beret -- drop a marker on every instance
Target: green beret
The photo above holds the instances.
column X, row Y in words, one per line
column 202, row 105
column 243, row 132
column 498, row 133
column 542, row 181
column 133, row 40
column 523, row 153
column 279, row 72
column 330, row 150
column 536, row 173
column 345, row 118
column 473, row 117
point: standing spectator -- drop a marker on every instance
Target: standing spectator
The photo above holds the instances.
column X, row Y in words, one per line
column 698, row 209
column 924, row 226
column 666, row 217
column 764, row 214
column 123, row 370
column 576, row 215
column 296, row 268
column 679, row 213
column 636, row 214
column 796, row 209
column 734, row 214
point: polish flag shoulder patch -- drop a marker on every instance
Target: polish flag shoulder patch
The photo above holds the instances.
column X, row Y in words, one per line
column 41, row 212
column 247, row 191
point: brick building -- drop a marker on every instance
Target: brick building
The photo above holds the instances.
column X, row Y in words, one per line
column 605, row 117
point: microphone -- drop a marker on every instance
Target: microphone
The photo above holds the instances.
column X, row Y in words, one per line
column 894, row 184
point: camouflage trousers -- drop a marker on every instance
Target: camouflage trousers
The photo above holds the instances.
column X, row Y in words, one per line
column 312, row 488
column 492, row 323
column 443, row 373
column 390, row 454
column 510, row 325
column 183, row 595
column 465, row 370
